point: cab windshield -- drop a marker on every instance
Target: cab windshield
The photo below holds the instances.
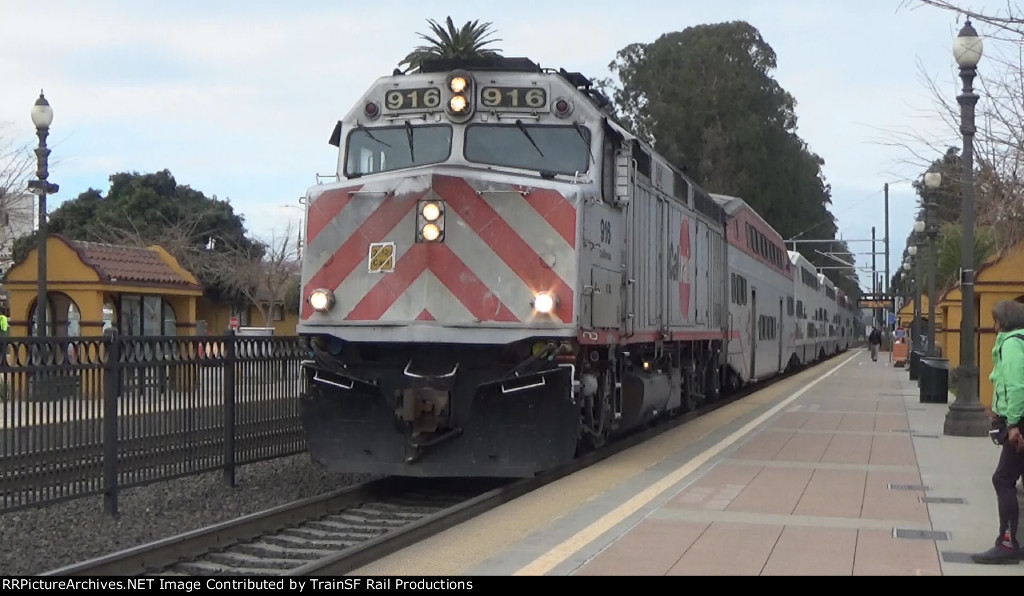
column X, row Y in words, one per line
column 374, row 150
column 543, row 148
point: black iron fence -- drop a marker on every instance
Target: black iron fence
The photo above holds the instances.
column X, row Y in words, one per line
column 92, row 415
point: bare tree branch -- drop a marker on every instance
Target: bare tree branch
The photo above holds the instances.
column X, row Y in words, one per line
column 1009, row 25
column 263, row 274
column 999, row 141
column 17, row 206
column 190, row 240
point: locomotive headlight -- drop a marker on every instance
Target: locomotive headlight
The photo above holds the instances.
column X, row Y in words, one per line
column 458, row 103
column 431, row 211
column 430, row 222
column 321, row 300
column 458, row 84
column 543, row 302
column 431, row 232
column 459, row 96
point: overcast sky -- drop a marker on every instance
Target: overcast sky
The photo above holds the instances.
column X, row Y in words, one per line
column 239, row 99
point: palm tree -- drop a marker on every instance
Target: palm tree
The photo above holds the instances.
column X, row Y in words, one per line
column 467, row 42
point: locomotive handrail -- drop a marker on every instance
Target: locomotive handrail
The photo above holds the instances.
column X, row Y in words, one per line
column 317, row 377
column 524, row 193
column 444, row 376
column 392, row 117
column 514, row 115
column 543, row 382
column 352, row 193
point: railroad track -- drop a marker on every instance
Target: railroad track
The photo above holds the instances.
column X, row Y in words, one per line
column 338, row 532
column 327, row 533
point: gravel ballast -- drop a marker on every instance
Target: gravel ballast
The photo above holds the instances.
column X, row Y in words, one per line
column 52, row 536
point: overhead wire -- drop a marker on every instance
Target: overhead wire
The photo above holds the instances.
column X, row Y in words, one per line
column 836, row 215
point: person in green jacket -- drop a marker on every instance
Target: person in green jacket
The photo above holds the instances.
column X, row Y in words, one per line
column 1008, row 409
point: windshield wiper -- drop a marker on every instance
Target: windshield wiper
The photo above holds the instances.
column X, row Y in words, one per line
column 519, row 123
column 586, row 142
column 408, row 135
column 359, row 126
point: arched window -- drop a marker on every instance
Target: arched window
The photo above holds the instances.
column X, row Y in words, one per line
column 147, row 316
column 170, row 320
column 32, row 323
column 109, row 314
column 74, row 320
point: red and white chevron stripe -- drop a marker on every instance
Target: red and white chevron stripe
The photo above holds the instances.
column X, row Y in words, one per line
column 500, row 248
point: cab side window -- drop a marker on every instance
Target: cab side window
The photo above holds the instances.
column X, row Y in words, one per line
column 608, row 170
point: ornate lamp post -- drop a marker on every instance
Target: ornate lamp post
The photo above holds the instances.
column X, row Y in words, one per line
column 932, row 180
column 915, row 327
column 967, row 417
column 908, row 291
column 42, row 117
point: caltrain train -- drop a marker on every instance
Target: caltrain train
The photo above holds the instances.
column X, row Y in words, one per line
column 501, row 276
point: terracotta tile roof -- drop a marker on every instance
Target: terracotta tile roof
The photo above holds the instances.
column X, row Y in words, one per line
column 128, row 264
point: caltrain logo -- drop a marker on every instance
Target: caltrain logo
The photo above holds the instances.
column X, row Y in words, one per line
column 679, row 267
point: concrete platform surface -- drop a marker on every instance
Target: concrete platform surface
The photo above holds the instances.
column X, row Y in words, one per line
column 838, row 470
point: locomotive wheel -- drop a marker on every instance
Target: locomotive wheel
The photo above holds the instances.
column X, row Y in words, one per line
column 735, row 382
column 689, row 398
column 712, row 389
column 602, row 411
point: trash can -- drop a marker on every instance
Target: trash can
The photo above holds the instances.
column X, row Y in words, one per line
column 915, row 365
column 934, row 380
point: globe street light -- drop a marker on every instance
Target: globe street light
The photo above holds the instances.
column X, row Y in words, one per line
column 967, row 417
column 42, row 117
column 915, row 327
column 932, row 181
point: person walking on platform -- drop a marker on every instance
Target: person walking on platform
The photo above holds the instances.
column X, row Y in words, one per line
column 874, row 342
column 1008, row 416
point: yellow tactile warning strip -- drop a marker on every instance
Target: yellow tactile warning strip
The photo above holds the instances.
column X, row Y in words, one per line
column 459, row 549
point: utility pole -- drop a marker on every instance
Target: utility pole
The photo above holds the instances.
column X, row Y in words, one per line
column 874, row 276
column 885, row 323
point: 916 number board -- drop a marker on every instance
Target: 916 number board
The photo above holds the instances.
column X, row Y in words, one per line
column 515, row 98
column 398, row 100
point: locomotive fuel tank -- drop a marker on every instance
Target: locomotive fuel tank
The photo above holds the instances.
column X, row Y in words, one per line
column 646, row 394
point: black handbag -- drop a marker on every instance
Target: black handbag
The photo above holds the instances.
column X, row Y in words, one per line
column 998, row 431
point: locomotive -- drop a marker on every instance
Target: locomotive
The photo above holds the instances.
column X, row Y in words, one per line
column 501, row 276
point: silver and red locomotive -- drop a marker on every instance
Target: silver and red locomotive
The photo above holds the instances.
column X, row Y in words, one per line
column 501, row 276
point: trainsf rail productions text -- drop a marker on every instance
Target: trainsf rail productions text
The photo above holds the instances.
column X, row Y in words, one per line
column 195, row 585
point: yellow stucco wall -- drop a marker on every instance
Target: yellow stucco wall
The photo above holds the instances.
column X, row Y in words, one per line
column 218, row 317
column 948, row 338
column 66, row 274
column 286, row 326
column 215, row 314
column 906, row 314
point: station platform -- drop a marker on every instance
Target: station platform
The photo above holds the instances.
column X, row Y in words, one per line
column 838, row 470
